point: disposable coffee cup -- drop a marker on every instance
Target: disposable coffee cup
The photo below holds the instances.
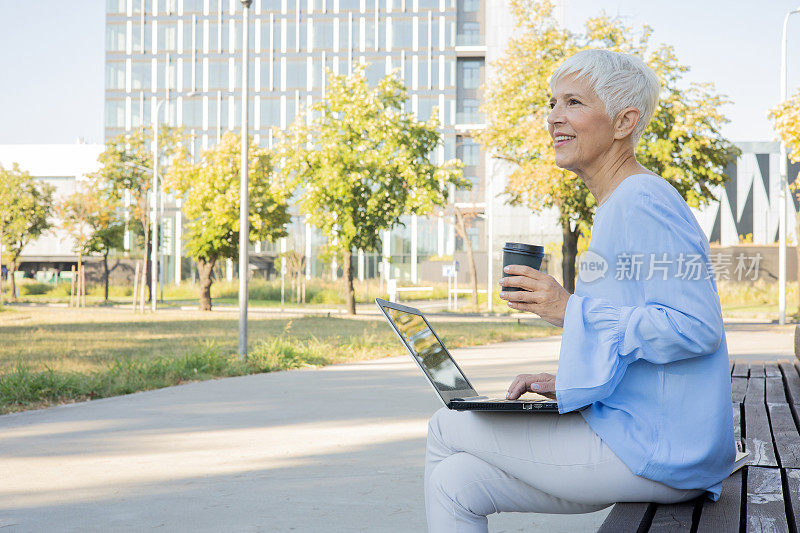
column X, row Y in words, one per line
column 517, row 253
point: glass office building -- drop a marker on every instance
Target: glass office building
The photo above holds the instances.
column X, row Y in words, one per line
column 188, row 54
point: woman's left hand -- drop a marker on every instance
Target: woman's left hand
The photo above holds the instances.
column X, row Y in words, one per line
column 541, row 293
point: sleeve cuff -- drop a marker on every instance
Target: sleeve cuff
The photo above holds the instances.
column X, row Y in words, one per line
column 589, row 365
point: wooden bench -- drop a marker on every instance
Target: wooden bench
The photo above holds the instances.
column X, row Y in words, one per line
column 763, row 496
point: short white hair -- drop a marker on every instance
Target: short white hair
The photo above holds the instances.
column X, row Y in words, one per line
column 620, row 80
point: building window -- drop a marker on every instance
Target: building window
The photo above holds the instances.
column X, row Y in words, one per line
column 270, row 112
column 167, row 37
column 471, row 29
column 188, row 43
column 115, row 75
column 115, row 113
column 192, row 6
column 140, row 75
column 470, row 73
column 470, row 6
column 115, row 37
column 468, row 151
column 193, row 112
column 469, row 106
column 401, row 33
column 323, row 34
column 349, row 5
column 375, row 73
column 115, row 6
column 218, row 74
column 296, row 74
column 425, row 108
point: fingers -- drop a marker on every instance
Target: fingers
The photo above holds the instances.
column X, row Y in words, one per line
column 521, row 282
column 538, row 383
column 542, row 383
column 522, row 270
column 518, row 388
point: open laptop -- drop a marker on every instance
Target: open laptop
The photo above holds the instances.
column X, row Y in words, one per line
column 442, row 371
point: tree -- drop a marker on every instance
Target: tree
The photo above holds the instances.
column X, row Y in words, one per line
column 463, row 215
column 786, row 118
column 210, row 188
column 363, row 163
column 683, row 142
column 25, row 209
column 127, row 170
column 91, row 217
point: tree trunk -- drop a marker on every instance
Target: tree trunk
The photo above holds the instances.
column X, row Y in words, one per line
column 1, row 265
column 204, row 268
column 11, row 271
column 105, row 269
column 347, row 265
column 569, row 252
column 146, row 262
column 473, row 273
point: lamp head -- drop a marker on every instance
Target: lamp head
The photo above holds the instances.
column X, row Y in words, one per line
column 246, row 3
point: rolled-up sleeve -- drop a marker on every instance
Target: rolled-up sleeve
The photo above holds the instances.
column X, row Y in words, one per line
column 678, row 317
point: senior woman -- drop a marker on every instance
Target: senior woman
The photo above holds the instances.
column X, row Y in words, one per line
column 643, row 385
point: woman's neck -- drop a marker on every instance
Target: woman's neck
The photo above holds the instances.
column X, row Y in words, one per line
column 603, row 177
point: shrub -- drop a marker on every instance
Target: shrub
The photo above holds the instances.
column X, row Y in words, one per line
column 34, row 289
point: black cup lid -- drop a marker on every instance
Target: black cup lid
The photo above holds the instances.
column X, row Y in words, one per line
column 523, row 248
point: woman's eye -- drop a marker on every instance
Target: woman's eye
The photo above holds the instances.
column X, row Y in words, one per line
column 572, row 100
column 552, row 105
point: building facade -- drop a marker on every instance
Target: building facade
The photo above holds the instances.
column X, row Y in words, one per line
column 187, row 53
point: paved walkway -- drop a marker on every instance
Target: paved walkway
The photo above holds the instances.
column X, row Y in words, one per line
column 335, row 449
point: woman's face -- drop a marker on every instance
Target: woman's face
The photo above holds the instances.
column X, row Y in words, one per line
column 578, row 124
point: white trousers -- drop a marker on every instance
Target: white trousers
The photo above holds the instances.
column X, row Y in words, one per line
column 480, row 463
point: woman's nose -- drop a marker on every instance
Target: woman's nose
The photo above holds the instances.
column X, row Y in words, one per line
column 555, row 116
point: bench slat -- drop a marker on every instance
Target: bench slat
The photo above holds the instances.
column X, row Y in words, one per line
column 775, row 391
column 792, row 379
column 628, row 517
column 755, row 390
column 675, row 518
column 757, row 435
column 723, row 516
column 737, row 426
column 765, row 509
column 741, row 369
column 793, row 497
column 757, row 369
column 784, row 432
column 738, row 389
column 771, row 369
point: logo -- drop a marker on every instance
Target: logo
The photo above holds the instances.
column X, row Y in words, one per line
column 591, row 266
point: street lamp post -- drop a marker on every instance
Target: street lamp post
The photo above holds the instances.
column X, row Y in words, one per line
column 783, row 198
column 154, row 211
column 244, row 203
column 154, row 215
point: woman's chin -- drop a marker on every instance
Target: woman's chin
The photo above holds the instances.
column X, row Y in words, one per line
column 562, row 162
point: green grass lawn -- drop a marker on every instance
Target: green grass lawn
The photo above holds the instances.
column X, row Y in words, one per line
column 52, row 355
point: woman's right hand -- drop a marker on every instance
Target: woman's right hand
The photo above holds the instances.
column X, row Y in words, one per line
column 544, row 384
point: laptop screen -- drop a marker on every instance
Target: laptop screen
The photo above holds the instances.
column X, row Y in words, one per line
column 429, row 352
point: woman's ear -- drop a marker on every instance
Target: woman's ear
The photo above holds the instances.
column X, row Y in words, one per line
column 625, row 122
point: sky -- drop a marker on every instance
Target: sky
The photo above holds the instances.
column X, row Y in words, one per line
column 52, row 63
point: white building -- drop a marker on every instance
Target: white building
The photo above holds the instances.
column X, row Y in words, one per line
column 59, row 165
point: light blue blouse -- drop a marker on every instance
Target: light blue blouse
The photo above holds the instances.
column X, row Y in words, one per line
column 643, row 343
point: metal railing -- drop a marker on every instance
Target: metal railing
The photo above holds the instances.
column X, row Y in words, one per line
column 470, row 117
column 470, row 39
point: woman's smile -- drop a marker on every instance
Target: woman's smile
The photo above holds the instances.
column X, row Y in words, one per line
column 562, row 139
